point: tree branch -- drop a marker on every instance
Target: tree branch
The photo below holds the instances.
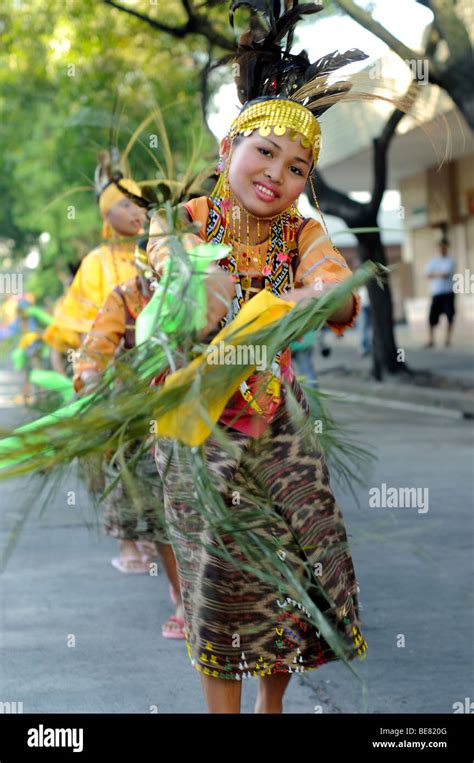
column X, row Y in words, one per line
column 450, row 27
column 203, row 82
column 366, row 20
column 381, row 146
column 196, row 24
column 335, row 202
column 180, row 31
column 432, row 42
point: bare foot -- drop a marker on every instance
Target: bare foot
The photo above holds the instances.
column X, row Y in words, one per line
column 148, row 549
column 131, row 557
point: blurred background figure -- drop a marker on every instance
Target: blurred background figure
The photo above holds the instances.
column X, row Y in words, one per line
column 302, row 353
column 440, row 271
column 100, row 271
column 365, row 322
column 26, row 332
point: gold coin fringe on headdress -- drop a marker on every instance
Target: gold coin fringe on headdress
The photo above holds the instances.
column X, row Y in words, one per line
column 282, row 115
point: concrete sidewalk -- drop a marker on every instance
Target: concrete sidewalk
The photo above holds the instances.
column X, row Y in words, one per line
column 455, row 362
column 347, row 373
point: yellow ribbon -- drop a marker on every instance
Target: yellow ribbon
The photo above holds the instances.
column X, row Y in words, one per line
column 191, row 420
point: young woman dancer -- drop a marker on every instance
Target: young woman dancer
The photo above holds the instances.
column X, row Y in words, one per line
column 237, row 624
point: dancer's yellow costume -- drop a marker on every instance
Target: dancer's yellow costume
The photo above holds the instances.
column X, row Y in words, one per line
column 107, row 266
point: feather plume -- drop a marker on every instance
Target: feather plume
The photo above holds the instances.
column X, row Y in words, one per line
column 263, row 67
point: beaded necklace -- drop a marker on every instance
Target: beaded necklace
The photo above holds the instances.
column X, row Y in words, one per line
column 277, row 274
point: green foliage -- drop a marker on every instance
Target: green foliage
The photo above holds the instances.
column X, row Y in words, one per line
column 64, row 66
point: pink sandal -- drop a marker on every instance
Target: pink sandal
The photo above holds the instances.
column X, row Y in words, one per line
column 168, row 632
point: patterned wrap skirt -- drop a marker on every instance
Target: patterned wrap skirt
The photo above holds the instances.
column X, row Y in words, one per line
column 239, row 625
column 135, row 512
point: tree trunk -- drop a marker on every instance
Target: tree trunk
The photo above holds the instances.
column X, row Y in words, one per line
column 456, row 80
column 370, row 247
column 384, row 350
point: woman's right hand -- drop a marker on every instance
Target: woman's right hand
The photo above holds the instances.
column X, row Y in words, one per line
column 220, row 290
column 311, row 291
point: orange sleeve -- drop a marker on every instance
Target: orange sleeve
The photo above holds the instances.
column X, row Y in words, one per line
column 100, row 344
column 318, row 258
column 158, row 248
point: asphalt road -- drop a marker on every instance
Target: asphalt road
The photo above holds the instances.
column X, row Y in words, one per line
column 78, row 636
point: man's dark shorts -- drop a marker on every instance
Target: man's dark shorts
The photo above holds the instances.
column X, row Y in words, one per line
column 442, row 304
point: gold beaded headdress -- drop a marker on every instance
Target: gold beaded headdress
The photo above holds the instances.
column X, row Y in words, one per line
column 281, row 115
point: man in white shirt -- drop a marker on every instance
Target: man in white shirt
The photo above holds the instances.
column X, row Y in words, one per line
column 440, row 271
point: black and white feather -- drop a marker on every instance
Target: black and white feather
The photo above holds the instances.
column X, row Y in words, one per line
column 265, row 66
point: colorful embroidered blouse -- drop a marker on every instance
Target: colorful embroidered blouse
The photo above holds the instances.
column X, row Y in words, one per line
column 306, row 256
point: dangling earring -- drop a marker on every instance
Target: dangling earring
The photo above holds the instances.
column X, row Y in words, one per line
column 218, row 189
column 225, row 192
column 106, row 232
column 222, row 188
column 316, row 204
